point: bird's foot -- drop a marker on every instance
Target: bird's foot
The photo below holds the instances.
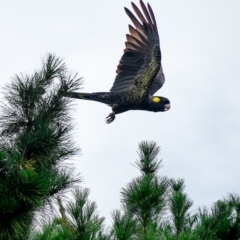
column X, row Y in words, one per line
column 110, row 118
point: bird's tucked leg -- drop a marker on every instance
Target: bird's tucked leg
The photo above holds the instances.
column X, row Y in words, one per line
column 110, row 118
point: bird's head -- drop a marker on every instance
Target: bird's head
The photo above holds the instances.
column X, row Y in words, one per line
column 159, row 104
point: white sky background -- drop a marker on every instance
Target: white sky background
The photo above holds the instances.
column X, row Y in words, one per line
column 200, row 43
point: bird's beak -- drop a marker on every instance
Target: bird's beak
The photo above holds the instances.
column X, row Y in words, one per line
column 167, row 107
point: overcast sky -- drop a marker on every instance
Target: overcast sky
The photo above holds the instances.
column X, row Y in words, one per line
column 200, row 43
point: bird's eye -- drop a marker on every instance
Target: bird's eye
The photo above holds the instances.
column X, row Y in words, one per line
column 156, row 99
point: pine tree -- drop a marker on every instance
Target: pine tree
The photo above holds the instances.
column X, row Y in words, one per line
column 179, row 205
column 222, row 221
column 125, row 225
column 35, row 140
column 144, row 198
column 79, row 221
column 153, row 208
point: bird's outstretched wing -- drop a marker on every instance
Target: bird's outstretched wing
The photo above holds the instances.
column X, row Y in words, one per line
column 138, row 50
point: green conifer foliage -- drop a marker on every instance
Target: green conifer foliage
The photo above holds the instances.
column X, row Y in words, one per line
column 221, row 222
column 79, row 221
column 125, row 225
column 153, row 208
column 179, row 205
column 145, row 196
column 35, row 128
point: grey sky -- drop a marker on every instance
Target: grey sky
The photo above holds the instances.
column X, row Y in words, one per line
column 200, row 43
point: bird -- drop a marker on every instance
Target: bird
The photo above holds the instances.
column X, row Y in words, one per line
column 139, row 74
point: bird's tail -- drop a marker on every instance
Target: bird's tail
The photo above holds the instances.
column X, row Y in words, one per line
column 98, row 96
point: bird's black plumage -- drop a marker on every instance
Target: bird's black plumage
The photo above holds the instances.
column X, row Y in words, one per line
column 139, row 72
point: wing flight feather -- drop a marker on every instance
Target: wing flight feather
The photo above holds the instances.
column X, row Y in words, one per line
column 138, row 50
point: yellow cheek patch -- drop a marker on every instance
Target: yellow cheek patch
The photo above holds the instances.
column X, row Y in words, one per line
column 156, row 99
